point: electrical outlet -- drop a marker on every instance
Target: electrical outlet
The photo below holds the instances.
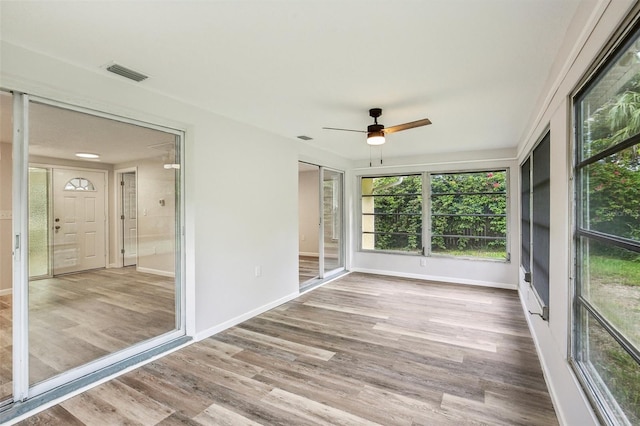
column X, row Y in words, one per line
column 258, row 271
column 423, row 262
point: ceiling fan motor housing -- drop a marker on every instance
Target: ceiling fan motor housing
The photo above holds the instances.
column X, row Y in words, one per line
column 375, row 128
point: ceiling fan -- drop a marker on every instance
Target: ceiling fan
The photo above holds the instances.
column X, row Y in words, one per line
column 376, row 132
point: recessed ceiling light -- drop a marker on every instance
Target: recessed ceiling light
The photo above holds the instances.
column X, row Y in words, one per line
column 87, row 155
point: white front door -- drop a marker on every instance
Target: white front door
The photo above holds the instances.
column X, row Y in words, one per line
column 129, row 219
column 78, row 220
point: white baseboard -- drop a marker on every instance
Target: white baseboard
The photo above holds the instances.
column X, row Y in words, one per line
column 5, row 292
column 451, row 280
column 155, row 272
column 240, row 318
column 308, row 253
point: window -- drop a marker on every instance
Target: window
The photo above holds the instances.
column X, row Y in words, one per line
column 469, row 214
column 525, row 215
column 392, row 213
column 535, row 198
column 606, row 339
column 79, row 184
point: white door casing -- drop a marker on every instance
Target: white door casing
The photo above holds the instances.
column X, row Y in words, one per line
column 79, row 220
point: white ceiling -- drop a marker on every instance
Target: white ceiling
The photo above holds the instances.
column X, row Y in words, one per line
column 474, row 67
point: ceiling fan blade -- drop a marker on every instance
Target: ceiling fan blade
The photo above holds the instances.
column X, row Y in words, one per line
column 405, row 126
column 345, row 130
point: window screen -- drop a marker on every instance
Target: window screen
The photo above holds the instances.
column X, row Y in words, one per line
column 540, row 219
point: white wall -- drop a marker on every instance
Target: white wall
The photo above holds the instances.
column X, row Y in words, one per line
column 308, row 212
column 440, row 268
column 593, row 24
column 156, row 221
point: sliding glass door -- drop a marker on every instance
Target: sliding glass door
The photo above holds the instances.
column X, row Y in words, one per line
column 77, row 307
column 321, row 217
column 332, row 216
column 6, row 248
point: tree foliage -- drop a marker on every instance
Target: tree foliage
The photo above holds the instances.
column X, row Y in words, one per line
column 467, row 205
column 463, row 204
column 611, row 186
column 398, row 208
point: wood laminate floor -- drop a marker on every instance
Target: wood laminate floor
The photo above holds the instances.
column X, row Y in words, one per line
column 361, row 350
column 78, row 318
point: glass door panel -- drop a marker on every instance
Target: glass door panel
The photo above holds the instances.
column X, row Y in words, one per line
column 84, row 304
column 308, row 222
column 321, row 247
column 332, row 215
column 6, row 240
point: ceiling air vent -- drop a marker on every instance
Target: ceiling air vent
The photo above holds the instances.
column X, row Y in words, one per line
column 126, row 72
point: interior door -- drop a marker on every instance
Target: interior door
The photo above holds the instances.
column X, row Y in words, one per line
column 78, row 220
column 129, row 219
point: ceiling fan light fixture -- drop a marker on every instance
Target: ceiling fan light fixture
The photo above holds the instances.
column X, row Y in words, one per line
column 375, row 138
column 375, row 132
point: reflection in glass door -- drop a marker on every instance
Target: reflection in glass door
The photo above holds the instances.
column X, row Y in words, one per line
column 332, row 214
column 308, row 222
column 6, row 248
column 85, row 310
column 321, row 246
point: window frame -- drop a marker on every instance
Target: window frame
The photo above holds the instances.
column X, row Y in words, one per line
column 361, row 214
column 429, row 214
column 598, row 393
column 537, row 241
column 426, row 213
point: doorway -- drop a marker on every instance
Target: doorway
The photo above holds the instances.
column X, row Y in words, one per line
column 320, row 219
column 128, row 226
column 66, row 318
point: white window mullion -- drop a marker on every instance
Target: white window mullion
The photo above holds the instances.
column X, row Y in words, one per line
column 426, row 214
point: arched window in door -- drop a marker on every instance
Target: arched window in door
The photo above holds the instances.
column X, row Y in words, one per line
column 79, row 184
